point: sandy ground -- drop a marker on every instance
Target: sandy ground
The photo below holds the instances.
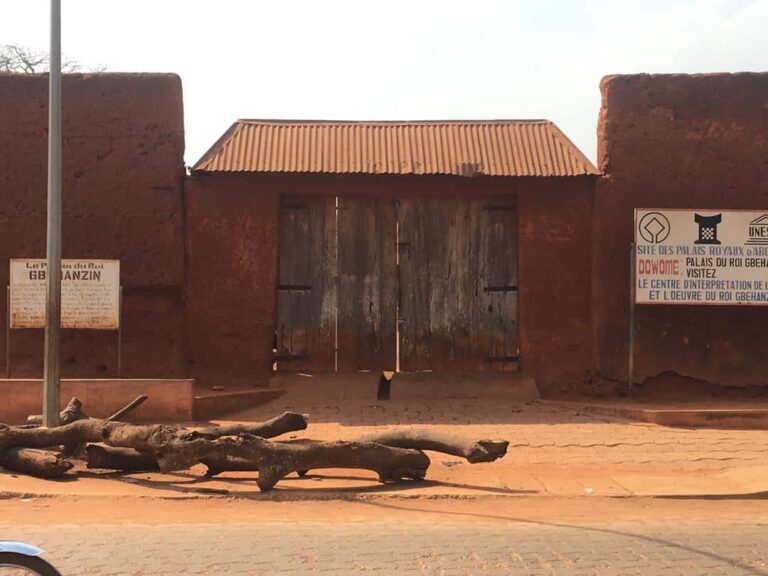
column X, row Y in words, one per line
column 101, row 510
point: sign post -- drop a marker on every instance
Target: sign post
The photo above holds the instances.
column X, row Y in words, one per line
column 7, row 332
column 697, row 258
column 91, row 297
column 51, row 382
column 632, row 282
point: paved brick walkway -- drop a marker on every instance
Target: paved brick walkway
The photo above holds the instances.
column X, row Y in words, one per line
column 554, row 450
column 540, row 432
column 445, row 548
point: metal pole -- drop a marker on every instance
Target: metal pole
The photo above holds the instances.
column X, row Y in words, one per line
column 632, row 282
column 7, row 332
column 120, row 334
column 52, row 383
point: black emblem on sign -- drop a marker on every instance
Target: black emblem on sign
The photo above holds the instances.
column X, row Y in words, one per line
column 654, row 227
column 758, row 231
column 708, row 228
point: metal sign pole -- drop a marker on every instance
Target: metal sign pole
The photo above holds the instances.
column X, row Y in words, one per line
column 52, row 382
column 120, row 334
column 7, row 332
column 632, row 283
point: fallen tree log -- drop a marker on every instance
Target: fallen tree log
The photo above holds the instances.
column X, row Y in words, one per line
column 274, row 460
column 72, row 412
column 286, row 422
column 93, row 430
column 123, row 459
column 392, row 455
column 474, row 451
column 130, row 460
column 40, row 463
column 82, row 431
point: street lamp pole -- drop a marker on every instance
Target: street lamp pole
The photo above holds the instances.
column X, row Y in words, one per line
column 52, row 383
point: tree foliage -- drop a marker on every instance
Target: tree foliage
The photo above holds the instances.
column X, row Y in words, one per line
column 20, row 59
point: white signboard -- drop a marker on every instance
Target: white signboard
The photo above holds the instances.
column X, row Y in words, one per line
column 717, row 257
column 90, row 294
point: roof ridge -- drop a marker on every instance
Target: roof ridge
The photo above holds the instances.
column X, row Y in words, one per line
column 419, row 147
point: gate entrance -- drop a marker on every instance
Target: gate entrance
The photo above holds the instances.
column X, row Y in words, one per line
column 381, row 283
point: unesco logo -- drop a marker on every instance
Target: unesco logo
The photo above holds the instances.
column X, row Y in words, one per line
column 654, row 227
column 758, row 231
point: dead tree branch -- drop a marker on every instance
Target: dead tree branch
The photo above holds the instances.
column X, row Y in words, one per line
column 124, row 459
column 131, row 460
column 275, row 460
column 128, row 408
column 72, row 412
column 40, row 463
column 425, row 439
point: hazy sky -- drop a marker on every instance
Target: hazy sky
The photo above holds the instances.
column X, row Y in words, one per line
column 398, row 60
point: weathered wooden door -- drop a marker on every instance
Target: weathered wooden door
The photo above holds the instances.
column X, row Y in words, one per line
column 458, row 284
column 361, row 278
column 306, row 302
column 367, row 265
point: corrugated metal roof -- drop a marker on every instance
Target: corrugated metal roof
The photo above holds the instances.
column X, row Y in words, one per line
column 462, row 148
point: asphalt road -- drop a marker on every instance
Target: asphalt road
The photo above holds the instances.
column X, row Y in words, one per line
column 448, row 545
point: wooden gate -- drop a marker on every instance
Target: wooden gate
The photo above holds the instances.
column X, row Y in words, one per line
column 458, row 284
column 306, row 297
column 361, row 278
column 367, row 267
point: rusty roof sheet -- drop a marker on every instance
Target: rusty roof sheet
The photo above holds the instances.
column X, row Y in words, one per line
column 462, row 148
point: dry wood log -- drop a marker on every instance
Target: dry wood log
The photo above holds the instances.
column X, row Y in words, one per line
column 426, row 439
column 40, row 463
column 177, row 448
column 125, row 459
column 89, row 430
column 128, row 408
column 180, row 449
column 274, row 460
column 286, row 422
column 130, row 460
column 93, row 429
column 416, row 439
column 72, row 412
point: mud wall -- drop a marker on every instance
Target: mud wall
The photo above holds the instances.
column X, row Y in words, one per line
column 555, row 283
column 123, row 145
column 677, row 141
column 232, row 266
column 232, row 278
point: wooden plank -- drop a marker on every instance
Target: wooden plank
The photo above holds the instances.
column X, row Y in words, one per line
column 306, row 290
column 347, row 231
column 467, row 252
column 457, row 278
column 439, row 218
column 367, row 284
column 408, row 315
column 322, row 301
column 291, row 326
column 387, row 234
column 498, row 263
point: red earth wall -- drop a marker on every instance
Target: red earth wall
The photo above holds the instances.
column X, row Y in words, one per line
column 677, row 141
column 555, row 283
column 232, row 278
column 123, row 170
column 232, row 266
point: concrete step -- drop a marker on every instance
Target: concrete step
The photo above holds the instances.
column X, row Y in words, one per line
column 209, row 406
column 417, row 386
column 738, row 416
